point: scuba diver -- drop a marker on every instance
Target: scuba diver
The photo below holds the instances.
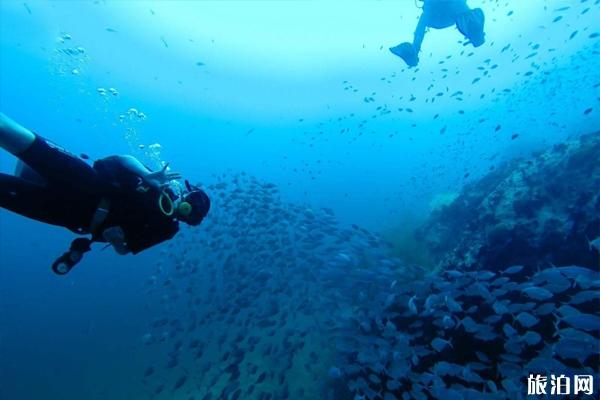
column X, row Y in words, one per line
column 440, row 14
column 118, row 200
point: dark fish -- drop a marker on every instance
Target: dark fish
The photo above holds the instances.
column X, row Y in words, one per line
column 162, row 39
column 586, row 322
column 149, row 371
column 172, row 363
column 180, row 382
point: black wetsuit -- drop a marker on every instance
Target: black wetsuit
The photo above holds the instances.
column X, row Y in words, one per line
column 70, row 192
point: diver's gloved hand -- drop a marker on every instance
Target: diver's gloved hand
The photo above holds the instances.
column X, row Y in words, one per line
column 161, row 178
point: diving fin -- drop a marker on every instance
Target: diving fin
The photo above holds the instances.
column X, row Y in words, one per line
column 407, row 52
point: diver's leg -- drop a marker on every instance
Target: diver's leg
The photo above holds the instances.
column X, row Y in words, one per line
column 28, row 199
column 420, row 33
column 42, row 204
column 52, row 162
column 14, row 138
column 409, row 52
column 49, row 204
column 471, row 25
column 60, row 167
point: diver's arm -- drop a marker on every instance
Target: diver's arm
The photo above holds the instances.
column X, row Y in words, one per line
column 156, row 179
column 420, row 32
column 14, row 138
column 133, row 165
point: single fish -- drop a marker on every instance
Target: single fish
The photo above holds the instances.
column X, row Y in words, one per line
column 538, row 293
column 499, row 307
column 584, row 297
column 470, row 376
column 594, row 244
column 444, row 368
column 510, row 370
column 412, row 306
column 439, row 344
column 162, row 39
column 545, row 309
column 452, row 304
column 513, row 345
column 508, row 330
column 586, row 322
column 448, row 322
column 531, row 338
column 486, row 334
column 482, row 357
column 566, row 310
column 485, row 275
column 515, row 269
column 574, row 349
column 335, row 373
column 527, row 320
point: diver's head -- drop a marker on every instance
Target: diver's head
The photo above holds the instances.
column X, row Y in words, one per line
column 194, row 205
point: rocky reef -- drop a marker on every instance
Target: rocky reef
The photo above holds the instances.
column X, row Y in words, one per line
column 516, row 293
column 539, row 211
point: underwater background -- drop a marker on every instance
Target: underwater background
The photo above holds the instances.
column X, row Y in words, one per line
column 376, row 231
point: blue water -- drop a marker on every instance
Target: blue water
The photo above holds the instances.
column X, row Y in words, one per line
column 304, row 95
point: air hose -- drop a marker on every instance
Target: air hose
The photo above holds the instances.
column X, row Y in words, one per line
column 171, row 206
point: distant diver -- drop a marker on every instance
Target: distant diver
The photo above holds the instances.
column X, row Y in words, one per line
column 118, row 200
column 440, row 14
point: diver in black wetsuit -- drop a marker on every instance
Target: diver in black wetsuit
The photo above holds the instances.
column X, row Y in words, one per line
column 440, row 14
column 117, row 200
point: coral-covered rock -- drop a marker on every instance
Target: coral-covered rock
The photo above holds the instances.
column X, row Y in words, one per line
column 537, row 211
